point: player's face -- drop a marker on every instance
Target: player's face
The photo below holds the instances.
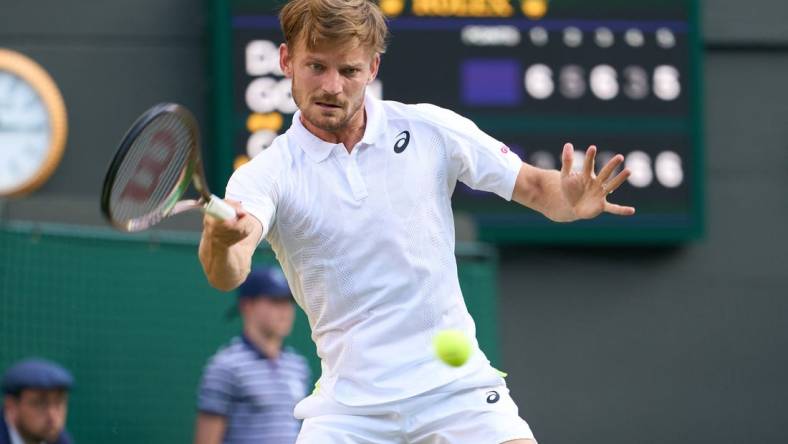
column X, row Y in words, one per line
column 271, row 317
column 38, row 415
column 329, row 83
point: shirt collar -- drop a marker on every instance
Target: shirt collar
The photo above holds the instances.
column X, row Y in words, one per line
column 318, row 149
column 13, row 434
column 251, row 345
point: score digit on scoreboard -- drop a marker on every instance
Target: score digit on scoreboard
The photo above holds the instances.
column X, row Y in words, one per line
column 535, row 74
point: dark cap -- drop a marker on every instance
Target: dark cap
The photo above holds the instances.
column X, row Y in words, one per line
column 266, row 282
column 36, row 373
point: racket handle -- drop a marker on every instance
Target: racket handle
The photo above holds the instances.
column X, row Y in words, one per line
column 220, row 209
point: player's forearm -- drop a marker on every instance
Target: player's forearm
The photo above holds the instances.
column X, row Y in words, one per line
column 226, row 248
column 210, row 429
column 225, row 267
column 226, row 261
column 540, row 190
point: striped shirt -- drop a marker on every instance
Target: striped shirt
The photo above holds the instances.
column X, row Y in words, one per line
column 256, row 394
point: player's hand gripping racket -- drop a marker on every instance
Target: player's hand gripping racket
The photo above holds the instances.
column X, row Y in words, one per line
column 156, row 160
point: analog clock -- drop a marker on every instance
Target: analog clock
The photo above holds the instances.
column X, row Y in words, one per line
column 32, row 124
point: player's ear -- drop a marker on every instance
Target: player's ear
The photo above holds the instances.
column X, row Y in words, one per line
column 285, row 60
column 373, row 67
column 9, row 406
column 243, row 305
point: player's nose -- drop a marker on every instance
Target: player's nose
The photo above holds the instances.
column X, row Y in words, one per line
column 332, row 83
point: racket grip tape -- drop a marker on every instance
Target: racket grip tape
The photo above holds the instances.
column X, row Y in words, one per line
column 220, row 209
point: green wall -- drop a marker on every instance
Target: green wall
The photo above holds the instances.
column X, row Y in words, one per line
column 135, row 320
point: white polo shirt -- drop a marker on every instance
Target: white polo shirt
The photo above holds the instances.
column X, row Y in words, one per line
column 366, row 240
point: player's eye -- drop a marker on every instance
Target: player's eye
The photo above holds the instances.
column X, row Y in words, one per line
column 316, row 67
column 349, row 72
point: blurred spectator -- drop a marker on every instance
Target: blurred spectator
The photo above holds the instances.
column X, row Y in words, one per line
column 250, row 387
column 35, row 403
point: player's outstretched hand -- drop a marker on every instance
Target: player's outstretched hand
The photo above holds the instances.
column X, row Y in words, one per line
column 228, row 232
column 587, row 192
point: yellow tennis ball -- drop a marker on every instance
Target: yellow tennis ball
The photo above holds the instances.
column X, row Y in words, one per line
column 452, row 347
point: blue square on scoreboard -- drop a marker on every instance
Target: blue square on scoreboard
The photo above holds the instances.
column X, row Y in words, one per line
column 491, row 82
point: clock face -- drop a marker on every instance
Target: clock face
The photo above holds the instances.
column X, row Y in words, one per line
column 25, row 132
column 33, row 124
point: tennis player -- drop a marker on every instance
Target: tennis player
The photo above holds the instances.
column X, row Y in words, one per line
column 354, row 198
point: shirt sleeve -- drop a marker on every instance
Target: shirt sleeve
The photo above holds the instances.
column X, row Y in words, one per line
column 217, row 389
column 256, row 186
column 476, row 158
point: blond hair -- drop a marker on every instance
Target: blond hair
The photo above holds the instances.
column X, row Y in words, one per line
column 334, row 22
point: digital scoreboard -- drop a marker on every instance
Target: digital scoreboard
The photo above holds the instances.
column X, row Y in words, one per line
column 620, row 74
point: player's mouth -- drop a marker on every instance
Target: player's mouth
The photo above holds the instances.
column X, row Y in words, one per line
column 328, row 105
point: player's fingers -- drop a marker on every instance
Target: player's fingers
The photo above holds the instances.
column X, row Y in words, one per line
column 226, row 227
column 214, row 225
column 588, row 164
column 208, row 221
column 566, row 159
column 619, row 210
column 239, row 212
column 616, row 182
column 611, row 166
column 237, row 206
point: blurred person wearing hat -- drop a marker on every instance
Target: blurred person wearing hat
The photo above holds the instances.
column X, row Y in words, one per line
column 35, row 403
column 250, row 386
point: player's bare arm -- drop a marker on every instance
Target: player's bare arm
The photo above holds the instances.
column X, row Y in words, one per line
column 226, row 248
column 566, row 195
column 209, row 429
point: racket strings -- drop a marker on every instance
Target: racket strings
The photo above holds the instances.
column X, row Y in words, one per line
column 152, row 171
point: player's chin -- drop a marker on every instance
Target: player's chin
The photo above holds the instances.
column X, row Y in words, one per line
column 50, row 435
column 330, row 122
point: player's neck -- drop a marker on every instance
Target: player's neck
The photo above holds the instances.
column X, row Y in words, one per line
column 271, row 346
column 349, row 136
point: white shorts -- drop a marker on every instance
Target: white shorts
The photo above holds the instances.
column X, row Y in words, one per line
column 467, row 416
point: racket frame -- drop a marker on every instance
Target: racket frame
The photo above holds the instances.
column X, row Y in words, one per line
column 193, row 173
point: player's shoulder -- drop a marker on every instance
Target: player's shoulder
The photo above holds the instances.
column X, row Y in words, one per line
column 425, row 114
column 228, row 355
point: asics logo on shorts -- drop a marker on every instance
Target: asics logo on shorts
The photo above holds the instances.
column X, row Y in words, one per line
column 493, row 397
column 403, row 139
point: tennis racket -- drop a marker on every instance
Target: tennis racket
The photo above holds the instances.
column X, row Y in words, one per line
column 156, row 161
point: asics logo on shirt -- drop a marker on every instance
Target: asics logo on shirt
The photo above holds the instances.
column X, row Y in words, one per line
column 403, row 139
column 493, row 397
